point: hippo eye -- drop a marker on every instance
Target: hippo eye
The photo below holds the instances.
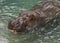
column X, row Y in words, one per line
column 17, row 23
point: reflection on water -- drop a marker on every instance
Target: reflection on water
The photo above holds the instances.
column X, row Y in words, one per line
column 3, row 40
column 9, row 9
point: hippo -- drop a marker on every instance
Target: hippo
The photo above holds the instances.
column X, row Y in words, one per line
column 39, row 14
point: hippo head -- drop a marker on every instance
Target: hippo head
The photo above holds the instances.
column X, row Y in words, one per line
column 25, row 21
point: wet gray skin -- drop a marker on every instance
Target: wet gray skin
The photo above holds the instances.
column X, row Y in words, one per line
column 38, row 16
column 25, row 21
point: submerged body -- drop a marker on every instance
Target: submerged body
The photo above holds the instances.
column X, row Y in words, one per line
column 40, row 14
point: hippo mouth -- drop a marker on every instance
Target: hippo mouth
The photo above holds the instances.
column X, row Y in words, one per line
column 13, row 31
column 14, row 26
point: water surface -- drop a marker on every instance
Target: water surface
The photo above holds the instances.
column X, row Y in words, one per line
column 9, row 9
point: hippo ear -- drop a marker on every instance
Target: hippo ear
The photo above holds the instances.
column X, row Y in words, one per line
column 20, row 13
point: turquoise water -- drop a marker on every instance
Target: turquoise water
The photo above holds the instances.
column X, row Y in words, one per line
column 9, row 9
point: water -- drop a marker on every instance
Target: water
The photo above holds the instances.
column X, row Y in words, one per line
column 9, row 9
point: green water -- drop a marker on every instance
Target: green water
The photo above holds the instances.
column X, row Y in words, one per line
column 9, row 9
